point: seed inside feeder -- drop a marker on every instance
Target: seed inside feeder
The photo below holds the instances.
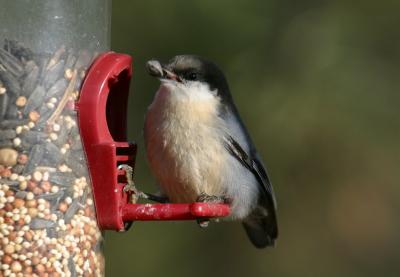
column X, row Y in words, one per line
column 44, row 191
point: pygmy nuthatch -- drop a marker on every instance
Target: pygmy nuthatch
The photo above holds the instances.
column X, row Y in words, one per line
column 199, row 149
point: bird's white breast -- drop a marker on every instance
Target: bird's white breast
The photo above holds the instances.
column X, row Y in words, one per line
column 183, row 135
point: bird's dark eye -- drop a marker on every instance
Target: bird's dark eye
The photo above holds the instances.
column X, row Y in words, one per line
column 191, row 76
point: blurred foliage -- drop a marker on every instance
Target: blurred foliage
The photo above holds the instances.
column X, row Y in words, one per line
column 317, row 83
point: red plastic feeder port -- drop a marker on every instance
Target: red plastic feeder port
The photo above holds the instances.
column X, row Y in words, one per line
column 102, row 117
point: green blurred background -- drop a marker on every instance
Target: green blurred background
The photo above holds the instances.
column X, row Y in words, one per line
column 317, row 84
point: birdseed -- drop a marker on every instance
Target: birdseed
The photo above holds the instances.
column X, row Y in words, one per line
column 47, row 218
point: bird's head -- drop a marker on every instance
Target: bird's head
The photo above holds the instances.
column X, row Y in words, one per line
column 190, row 71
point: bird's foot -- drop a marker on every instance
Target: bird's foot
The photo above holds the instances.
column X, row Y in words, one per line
column 205, row 198
column 203, row 222
column 137, row 194
column 130, row 184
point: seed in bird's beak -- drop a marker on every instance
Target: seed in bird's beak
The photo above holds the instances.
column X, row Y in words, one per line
column 155, row 69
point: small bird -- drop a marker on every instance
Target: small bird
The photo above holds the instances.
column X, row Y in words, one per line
column 199, row 149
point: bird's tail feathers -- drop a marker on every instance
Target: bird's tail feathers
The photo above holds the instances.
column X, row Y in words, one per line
column 261, row 228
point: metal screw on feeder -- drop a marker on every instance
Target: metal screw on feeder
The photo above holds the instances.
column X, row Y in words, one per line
column 102, row 110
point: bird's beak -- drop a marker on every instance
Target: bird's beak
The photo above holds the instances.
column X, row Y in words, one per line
column 157, row 70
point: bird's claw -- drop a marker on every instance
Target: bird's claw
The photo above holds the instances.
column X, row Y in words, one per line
column 205, row 198
column 136, row 194
column 130, row 184
column 203, row 222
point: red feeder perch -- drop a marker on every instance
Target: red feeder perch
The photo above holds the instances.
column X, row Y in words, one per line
column 102, row 110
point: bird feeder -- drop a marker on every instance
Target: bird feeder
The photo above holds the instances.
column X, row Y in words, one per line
column 102, row 110
column 48, row 224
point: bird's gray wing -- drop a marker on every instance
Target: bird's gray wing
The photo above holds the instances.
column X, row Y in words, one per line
column 261, row 225
column 253, row 164
column 263, row 178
